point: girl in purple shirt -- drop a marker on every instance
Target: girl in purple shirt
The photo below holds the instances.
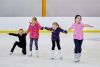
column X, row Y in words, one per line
column 55, row 38
column 78, row 36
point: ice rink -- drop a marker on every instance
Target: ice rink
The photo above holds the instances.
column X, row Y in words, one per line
column 90, row 53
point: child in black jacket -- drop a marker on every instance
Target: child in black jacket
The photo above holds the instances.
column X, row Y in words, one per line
column 22, row 41
column 55, row 38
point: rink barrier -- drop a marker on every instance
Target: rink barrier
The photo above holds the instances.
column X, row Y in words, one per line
column 45, row 31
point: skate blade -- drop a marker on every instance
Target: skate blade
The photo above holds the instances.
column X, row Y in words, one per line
column 61, row 58
column 30, row 55
column 10, row 53
column 37, row 56
column 52, row 58
column 77, row 61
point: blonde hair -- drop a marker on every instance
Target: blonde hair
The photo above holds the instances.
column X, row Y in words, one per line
column 34, row 18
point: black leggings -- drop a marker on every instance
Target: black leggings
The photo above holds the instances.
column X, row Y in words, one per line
column 78, row 44
column 54, row 43
column 23, row 46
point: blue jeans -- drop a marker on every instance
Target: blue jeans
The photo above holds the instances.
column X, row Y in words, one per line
column 35, row 42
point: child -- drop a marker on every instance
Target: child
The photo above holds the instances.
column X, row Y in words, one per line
column 21, row 43
column 78, row 36
column 55, row 29
column 33, row 29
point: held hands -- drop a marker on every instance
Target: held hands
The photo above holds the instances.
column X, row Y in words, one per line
column 42, row 28
column 65, row 32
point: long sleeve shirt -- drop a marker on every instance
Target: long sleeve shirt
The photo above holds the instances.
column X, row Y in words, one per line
column 55, row 33
column 34, row 30
column 22, row 39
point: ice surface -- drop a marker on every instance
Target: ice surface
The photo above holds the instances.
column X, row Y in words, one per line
column 90, row 53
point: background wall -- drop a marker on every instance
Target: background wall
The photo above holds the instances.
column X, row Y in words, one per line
column 14, row 23
column 17, row 8
column 87, row 8
column 69, row 8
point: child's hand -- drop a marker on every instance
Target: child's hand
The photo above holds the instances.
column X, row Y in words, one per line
column 65, row 32
column 43, row 28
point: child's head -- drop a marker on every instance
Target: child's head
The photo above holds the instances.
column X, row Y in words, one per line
column 55, row 25
column 34, row 19
column 78, row 19
column 21, row 32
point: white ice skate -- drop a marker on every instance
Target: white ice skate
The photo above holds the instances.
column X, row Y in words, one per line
column 76, row 58
column 30, row 53
column 10, row 53
column 60, row 55
column 52, row 55
column 37, row 53
column 79, row 56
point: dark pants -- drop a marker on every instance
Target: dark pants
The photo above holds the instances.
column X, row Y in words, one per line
column 23, row 46
column 54, row 42
column 31, row 43
column 78, row 44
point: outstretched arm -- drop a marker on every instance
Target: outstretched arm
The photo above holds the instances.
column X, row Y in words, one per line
column 64, row 31
column 87, row 25
column 13, row 34
column 40, row 27
column 47, row 28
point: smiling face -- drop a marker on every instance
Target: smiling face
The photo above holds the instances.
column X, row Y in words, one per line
column 78, row 19
column 20, row 32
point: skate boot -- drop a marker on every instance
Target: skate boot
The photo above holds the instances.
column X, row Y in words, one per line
column 79, row 56
column 37, row 53
column 60, row 54
column 52, row 55
column 10, row 53
column 30, row 53
column 76, row 58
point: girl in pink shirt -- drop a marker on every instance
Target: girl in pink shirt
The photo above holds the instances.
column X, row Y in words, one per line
column 33, row 30
column 78, row 36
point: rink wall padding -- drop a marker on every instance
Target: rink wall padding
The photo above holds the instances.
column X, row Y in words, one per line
column 45, row 31
column 12, row 24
